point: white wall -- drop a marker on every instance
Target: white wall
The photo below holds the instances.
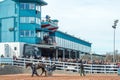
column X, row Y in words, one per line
column 13, row 48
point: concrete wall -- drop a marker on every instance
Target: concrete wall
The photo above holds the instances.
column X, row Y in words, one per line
column 9, row 69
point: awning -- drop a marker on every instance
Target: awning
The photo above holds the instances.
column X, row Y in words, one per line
column 43, row 46
column 49, row 26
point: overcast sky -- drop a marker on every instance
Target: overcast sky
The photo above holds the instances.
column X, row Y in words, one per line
column 90, row 20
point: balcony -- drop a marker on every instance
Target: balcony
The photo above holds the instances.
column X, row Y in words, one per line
column 47, row 40
column 49, row 24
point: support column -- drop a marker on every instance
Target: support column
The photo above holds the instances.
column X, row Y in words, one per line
column 75, row 54
column 79, row 55
column 63, row 54
column 69, row 54
column 56, row 54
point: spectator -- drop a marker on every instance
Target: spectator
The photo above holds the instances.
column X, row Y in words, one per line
column 2, row 56
column 81, row 68
column 43, row 59
column 14, row 57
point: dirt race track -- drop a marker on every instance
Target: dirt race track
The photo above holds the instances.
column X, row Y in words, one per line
column 60, row 77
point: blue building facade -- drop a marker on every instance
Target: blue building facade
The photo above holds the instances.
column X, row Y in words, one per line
column 20, row 21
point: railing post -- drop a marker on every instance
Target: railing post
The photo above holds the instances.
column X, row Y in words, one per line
column 105, row 69
column 0, row 60
column 64, row 66
column 12, row 61
column 77, row 67
column 91, row 68
column 50, row 62
column 24, row 62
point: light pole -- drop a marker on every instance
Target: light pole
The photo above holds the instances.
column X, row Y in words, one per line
column 114, row 27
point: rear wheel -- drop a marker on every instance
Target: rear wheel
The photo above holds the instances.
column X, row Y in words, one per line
column 49, row 73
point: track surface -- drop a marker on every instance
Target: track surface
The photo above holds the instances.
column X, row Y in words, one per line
column 60, row 77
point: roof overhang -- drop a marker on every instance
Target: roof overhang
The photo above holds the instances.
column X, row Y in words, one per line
column 44, row 46
column 41, row 2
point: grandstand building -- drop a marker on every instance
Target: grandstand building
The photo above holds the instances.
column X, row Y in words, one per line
column 23, row 33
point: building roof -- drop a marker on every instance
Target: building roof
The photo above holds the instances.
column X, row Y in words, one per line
column 41, row 2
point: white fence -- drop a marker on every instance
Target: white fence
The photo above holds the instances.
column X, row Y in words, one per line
column 68, row 66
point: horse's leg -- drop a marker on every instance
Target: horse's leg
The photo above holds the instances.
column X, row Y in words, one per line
column 42, row 72
column 45, row 72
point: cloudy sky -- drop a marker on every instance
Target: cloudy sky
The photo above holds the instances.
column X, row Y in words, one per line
column 90, row 20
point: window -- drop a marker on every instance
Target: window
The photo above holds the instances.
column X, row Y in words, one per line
column 37, row 34
column 22, row 6
column 27, row 6
column 38, row 21
column 31, row 6
column 26, row 33
column 37, row 7
column 15, row 48
column 21, row 33
column 32, row 33
column 27, row 19
column 22, row 20
column 31, row 19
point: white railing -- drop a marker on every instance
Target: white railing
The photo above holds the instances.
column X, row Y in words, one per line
column 68, row 66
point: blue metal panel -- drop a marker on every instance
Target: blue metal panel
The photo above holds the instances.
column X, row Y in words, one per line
column 7, row 8
column 71, row 38
column 6, row 25
column 28, row 39
column 7, row 16
column 27, row 26
column 10, row 17
column 28, row 13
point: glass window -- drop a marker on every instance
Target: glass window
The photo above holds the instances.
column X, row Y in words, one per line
column 32, row 33
column 38, row 21
column 22, row 6
column 31, row 6
column 27, row 6
column 37, row 7
column 27, row 19
column 38, row 34
column 21, row 33
column 27, row 33
column 15, row 48
column 22, row 20
column 31, row 19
